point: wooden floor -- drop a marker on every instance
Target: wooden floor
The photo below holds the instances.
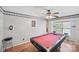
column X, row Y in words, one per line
column 27, row 47
column 67, row 46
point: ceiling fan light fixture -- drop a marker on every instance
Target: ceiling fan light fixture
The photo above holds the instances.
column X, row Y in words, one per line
column 50, row 17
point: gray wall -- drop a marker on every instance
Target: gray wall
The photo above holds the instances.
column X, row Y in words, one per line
column 22, row 28
column 1, row 30
column 75, row 31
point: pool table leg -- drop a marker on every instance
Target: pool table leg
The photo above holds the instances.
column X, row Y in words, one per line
column 58, row 45
column 58, row 49
column 40, row 48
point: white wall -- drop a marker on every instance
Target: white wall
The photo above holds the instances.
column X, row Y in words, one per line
column 1, row 30
column 22, row 28
column 74, row 31
column 40, row 28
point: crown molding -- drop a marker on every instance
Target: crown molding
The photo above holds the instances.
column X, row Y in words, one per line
column 17, row 14
column 66, row 17
column 1, row 10
column 10, row 13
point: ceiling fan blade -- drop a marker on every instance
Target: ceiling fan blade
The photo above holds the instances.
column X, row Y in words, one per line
column 56, row 13
column 46, row 9
column 56, row 16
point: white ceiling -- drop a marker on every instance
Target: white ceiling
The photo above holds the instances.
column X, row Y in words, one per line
column 40, row 11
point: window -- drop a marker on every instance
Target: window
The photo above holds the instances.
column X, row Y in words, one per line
column 67, row 27
column 57, row 26
column 66, row 31
column 33, row 23
column 62, row 27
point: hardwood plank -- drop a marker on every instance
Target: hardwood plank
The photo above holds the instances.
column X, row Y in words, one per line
column 67, row 46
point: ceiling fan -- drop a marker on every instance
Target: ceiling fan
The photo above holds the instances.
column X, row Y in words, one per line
column 51, row 14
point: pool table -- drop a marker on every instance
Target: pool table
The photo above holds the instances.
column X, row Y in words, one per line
column 48, row 42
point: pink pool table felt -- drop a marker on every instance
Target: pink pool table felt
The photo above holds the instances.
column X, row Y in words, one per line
column 47, row 40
